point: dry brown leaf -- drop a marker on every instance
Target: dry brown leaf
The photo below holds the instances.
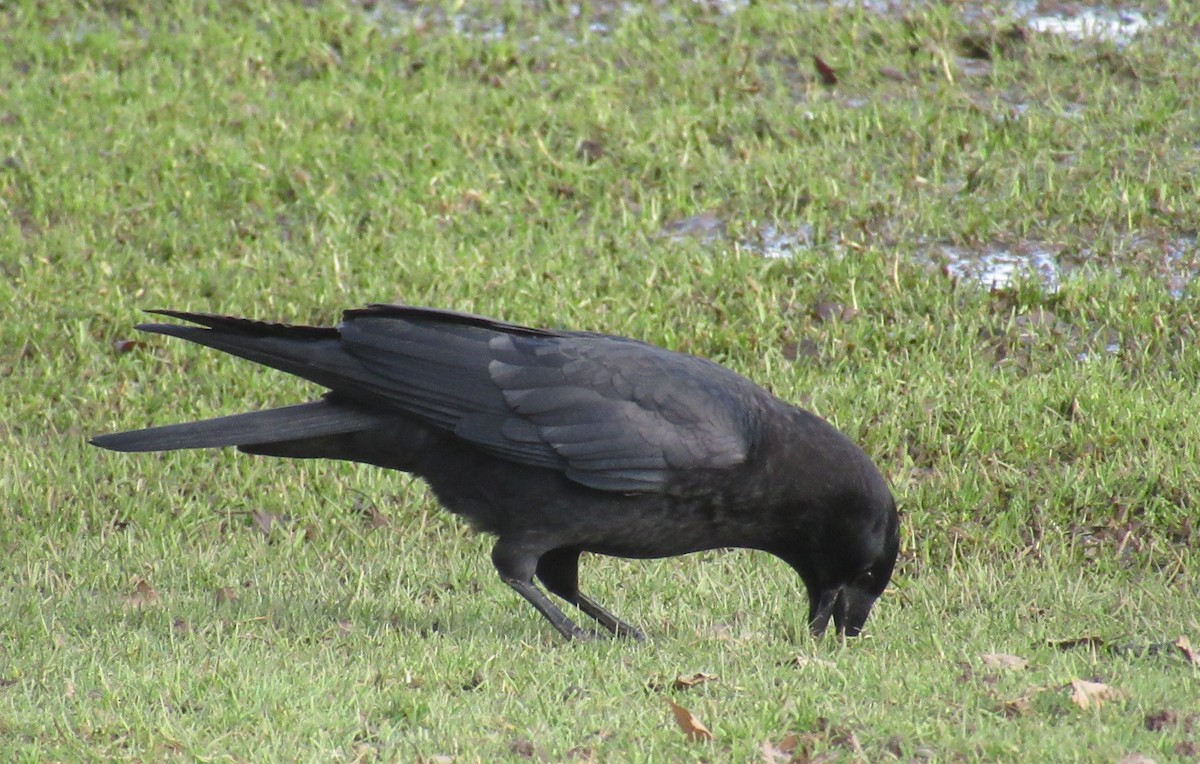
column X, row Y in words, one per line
column 375, row 518
column 1018, row 706
column 1187, row 749
column 687, row 682
column 125, row 346
column 1185, row 647
column 1159, row 720
column 370, row 513
column 828, row 76
column 226, row 594
column 1088, row 694
column 263, row 520
column 773, row 753
column 845, row 739
column 523, row 747
column 1003, row 661
column 687, row 722
column 143, row 595
column 1023, row 703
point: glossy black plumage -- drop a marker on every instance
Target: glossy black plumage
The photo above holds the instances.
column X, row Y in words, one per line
column 564, row 442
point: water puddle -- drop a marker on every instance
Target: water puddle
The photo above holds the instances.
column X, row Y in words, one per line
column 704, row 227
column 1174, row 259
column 1180, row 263
column 775, row 243
column 769, row 240
column 999, row 267
column 1080, row 23
column 400, row 17
column 1098, row 21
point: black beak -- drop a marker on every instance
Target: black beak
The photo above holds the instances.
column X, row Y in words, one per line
column 848, row 606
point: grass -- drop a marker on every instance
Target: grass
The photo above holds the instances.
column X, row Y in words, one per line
column 287, row 161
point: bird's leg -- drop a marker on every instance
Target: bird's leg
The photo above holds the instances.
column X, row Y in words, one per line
column 558, row 569
column 516, row 565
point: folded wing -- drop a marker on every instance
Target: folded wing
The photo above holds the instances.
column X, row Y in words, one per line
column 610, row 413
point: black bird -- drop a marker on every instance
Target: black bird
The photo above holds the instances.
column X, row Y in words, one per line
column 562, row 442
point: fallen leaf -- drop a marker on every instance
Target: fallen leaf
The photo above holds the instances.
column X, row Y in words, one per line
column 1023, row 703
column 895, row 746
column 1018, row 706
column 143, row 595
column 783, row 751
column 1088, row 694
column 1003, row 661
column 371, row 514
column 687, row 682
column 687, row 722
column 827, row 311
column 590, row 150
column 828, row 75
column 523, row 747
column 125, row 346
column 1185, row 647
column 1159, row 720
column 264, row 520
column 226, row 594
column 844, row 738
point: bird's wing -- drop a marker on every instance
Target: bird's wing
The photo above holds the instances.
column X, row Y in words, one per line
column 611, row 413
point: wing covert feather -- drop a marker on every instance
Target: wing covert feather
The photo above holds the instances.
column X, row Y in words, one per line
column 610, row 413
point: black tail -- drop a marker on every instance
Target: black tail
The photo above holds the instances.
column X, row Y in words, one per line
column 313, row 353
column 307, row 420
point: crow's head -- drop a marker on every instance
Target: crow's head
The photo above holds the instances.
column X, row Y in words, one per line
column 847, row 561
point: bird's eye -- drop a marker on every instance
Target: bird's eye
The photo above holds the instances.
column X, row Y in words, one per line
column 866, row 578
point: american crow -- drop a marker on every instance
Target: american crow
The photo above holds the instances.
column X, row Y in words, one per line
column 562, row 442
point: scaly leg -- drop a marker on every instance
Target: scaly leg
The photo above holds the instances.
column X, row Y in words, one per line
column 558, row 569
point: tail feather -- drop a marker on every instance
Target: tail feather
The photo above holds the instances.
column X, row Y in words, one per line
column 249, row 326
column 307, row 420
column 312, row 353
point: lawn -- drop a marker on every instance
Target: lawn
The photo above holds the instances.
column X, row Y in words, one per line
column 968, row 243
